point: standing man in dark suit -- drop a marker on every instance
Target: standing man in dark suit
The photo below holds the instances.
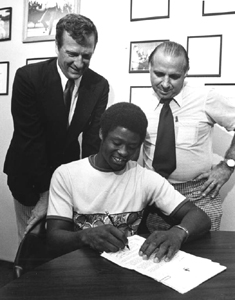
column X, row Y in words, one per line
column 45, row 131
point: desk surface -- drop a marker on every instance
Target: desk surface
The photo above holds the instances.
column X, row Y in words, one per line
column 83, row 274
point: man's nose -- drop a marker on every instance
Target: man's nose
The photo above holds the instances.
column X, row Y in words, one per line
column 166, row 82
column 123, row 150
column 78, row 62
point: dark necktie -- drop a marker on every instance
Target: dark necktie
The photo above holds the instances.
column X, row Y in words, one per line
column 164, row 161
column 68, row 94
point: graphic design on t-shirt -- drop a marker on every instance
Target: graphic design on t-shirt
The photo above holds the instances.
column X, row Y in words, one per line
column 127, row 222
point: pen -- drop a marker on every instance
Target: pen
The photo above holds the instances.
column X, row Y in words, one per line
column 111, row 220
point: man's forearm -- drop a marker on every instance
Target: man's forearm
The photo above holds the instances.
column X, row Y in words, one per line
column 196, row 222
column 63, row 241
column 230, row 153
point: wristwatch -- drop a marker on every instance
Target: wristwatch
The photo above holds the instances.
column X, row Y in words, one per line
column 230, row 163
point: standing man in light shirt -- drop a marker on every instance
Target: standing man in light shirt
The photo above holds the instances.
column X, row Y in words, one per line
column 46, row 132
column 195, row 111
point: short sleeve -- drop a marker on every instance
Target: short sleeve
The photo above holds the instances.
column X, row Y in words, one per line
column 161, row 193
column 221, row 109
column 60, row 199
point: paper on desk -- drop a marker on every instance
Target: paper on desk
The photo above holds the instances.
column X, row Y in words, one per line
column 183, row 273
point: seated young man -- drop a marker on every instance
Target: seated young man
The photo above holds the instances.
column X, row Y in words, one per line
column 98, row 201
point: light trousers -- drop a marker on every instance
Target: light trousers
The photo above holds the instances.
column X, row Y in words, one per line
column 23, row 213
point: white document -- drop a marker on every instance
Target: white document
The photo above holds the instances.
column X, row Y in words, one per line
column 183, row 273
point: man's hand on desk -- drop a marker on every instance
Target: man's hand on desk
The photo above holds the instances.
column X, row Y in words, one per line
column 193, row 223
column 106, row 238
column 38, row 212
column 164, row 244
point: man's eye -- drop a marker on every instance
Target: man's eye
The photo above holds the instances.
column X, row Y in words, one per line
column 86, row 57
column 159, row 74
column 133, row 147
column 174, row 77
column 116, row 143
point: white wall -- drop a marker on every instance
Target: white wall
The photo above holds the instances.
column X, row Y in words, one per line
column 220, row 144
column 16, row 53
column 111, row 59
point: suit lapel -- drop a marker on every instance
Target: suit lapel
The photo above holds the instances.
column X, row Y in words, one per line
column 53, row 96
column 84, row 107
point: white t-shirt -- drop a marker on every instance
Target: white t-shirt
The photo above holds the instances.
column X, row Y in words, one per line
column 86, row 195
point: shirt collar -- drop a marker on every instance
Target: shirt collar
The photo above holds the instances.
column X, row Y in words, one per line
column 64, row 79
column 178, row 98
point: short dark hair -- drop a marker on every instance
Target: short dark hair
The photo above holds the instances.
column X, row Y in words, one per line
column 127, row 115
column 78, row 27
column 173, row 49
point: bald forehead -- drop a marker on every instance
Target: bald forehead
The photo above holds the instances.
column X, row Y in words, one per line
column 169, row 56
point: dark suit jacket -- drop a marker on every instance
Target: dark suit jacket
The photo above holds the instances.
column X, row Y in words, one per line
column 41, row 141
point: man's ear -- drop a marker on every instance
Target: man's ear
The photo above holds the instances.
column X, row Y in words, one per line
column 100, row 134
column 186, row 73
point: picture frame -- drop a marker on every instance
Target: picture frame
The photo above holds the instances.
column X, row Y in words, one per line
column 40, row 21
column 205, row 54
column 138, row 93
column 5, row 23
column 4, row 77
column 226, row 89
column 213, row 8
column 139, row 55
column 36, row 60
column 149, row 9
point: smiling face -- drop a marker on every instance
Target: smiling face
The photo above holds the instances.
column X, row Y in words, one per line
column 74, row 58
column 167, row 74
column 117, row 149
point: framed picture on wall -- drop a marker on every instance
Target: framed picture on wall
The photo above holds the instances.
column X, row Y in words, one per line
column 41, row 17
column 4, row 77
column 139, row 95
column 5, row 23
column 212, row 7
column 226, row 89
column 149, row 9
column 139, row 55
column 204, row 55
column 35, row 60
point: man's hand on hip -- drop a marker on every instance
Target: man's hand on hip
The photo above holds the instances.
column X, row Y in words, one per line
column 216, row 178
column 38, row 212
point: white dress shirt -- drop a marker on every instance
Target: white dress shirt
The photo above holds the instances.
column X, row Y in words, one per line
column 195, row 111
column 77, row 82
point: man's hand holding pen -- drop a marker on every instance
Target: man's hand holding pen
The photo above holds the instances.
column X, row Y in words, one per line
column 106, row 238
column 111, row 220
